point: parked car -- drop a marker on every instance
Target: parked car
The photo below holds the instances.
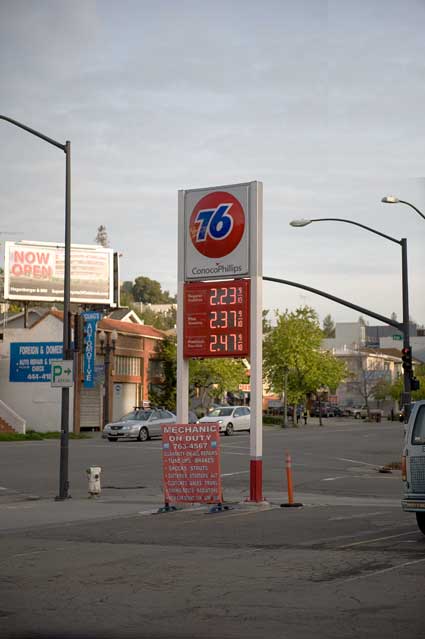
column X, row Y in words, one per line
column 413, row 464
column 230, row 418
column 326, row 410
column 360, row 412
column 140, row 424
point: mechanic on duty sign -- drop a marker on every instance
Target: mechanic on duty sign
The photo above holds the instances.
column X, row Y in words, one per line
column 217, row 232
column 191, row 463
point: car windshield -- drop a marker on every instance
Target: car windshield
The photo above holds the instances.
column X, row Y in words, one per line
column 221, row 412
column 139, row 415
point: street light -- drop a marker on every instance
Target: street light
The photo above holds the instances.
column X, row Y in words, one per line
column 404, row 285
column 392, row 199
column 67, row 353
column 107, row 346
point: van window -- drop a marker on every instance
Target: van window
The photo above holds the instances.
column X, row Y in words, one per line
column 418, row 434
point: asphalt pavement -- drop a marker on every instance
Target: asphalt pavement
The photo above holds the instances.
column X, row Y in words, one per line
column 347, row 564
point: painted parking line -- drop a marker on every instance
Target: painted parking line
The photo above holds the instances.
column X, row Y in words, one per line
column 360, row 515
column 376, row 539
column 355, row 461
column 384, row 570
column 240, row 472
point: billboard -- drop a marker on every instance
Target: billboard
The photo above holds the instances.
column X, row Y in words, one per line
column 35, row 271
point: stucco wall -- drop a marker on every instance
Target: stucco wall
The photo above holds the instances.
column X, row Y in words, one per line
column 36, row 402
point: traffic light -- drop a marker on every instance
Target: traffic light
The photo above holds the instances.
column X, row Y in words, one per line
column 406, row 356
column 414, row 384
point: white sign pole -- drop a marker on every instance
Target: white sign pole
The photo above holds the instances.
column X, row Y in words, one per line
column 182, row 399
column 256, row 338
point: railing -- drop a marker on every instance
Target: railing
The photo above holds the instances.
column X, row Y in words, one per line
column 13, row 419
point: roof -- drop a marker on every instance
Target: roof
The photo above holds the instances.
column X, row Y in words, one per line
column 108, row 324
column 125, row 314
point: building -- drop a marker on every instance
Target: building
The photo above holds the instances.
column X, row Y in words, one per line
column 27, row 400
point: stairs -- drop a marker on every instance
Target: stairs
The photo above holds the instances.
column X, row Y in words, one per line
column 5, row 427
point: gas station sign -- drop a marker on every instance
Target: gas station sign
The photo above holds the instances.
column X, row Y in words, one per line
column 216, row 319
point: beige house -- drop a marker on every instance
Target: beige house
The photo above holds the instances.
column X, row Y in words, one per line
column 367, row 367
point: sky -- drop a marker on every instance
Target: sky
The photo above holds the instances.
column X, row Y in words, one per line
column 323, row 102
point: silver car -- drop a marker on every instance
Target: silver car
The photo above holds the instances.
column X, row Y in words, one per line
column 140, row 424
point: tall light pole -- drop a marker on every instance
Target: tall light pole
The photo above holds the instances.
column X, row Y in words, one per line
column 404, row 288
column 392, row 199
column 67, row 354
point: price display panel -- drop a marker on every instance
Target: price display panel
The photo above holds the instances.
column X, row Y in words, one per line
column 216, row 319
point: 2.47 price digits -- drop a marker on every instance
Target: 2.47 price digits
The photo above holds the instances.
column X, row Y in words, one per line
column 226, row 295
column 226, row 343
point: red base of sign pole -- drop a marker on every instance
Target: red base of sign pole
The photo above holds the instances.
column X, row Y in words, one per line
column 256, row 480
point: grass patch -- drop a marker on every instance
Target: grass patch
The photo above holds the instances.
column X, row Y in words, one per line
column 32, row 435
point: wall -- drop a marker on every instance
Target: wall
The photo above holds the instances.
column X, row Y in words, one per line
column 36, row 402
column 417, row 343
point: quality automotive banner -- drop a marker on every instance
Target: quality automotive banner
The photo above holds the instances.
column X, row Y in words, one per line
column 191, row 463
column 35, row 271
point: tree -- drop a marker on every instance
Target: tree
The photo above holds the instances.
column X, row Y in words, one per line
column 165, row 394
column 209, row 378
column 102, row 236
column 328, row 326
column 164, row 321
column 149, row 291
column 294, row 345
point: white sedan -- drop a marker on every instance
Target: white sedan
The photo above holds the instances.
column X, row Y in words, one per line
column 230, row 418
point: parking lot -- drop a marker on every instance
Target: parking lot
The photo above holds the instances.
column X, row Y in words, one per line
column 347, row 564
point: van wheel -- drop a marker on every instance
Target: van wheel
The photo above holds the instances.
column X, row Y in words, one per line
column 143, row 434
column 420, row 520
column 357, row 416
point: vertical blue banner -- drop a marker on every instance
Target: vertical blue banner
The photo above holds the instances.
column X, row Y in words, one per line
column 91, row 319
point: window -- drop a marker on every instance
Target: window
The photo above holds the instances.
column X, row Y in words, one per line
column 239, row 412
column 418, row 435
column 130, row 366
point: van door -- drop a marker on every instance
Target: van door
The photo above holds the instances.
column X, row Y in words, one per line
column 415, row 453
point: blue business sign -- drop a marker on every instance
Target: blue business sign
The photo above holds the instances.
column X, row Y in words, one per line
column 91, row 318
column 31, row 361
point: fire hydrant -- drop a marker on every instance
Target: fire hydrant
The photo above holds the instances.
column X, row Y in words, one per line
column 93, row 475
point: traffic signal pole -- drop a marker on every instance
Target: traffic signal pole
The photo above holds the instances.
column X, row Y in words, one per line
column 407, row 372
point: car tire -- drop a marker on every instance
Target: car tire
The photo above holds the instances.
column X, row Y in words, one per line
column 112, row 439
column 420, row 520
column 357, row 416
column 229, row 430
column 143, row 434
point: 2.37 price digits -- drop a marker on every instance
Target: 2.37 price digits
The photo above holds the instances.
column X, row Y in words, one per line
column 224, row 319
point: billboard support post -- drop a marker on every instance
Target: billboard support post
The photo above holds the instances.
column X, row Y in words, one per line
column 64, row 445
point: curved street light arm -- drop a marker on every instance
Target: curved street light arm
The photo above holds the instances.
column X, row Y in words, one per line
column 363, row 226
column 34, row 132
column 356, row 307
column 412, row 207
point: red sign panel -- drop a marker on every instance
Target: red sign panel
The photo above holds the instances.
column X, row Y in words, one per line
column 216, row 319
column 191, row 463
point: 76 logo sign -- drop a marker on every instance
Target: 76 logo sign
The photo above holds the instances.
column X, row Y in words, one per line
column 214, row 223
column 217, row 224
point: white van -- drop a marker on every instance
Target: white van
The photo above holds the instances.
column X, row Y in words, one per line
column 413, row 464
